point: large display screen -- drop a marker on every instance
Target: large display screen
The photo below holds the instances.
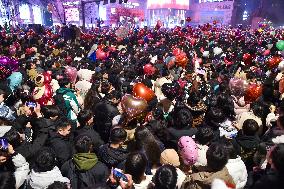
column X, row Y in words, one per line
column 72, row 14
column 168, row 4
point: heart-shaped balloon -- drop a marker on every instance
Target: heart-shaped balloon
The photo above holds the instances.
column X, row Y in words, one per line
column 253, row 92
column 133, row 106
column 142, row 91
column 71, row 72
column 273, row 62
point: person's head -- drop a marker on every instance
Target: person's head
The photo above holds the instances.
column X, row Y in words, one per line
column 204, row 135
column 7, row 180
column 171, row 157
column 2, row 95
column 187, row 150
column 257, row 109
column 166, row 177
column 63, row 126
column 135, row 165
column 250, row 127
column 114, row 96
column 117, row 136
column 182, row 118
column 58, row 185
column 170, row 90
column 229, row 148
column 226, row 104
column 13, row 137
column 214, row 117
column 85, row 117
column 50, row 111
column 277, row 158
column 216, row 157
column 64, row 82
column 45, row 160
column 83, row 144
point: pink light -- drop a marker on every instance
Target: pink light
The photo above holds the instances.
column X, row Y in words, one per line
column 168, row 4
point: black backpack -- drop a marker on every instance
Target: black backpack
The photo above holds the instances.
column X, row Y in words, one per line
column 60, row 102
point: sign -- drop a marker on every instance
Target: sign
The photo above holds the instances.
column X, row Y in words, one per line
column 168, row 4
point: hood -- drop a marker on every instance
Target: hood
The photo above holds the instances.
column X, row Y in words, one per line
column 39, row 180
column 248, row 141
column 64, row 90
column 85, row 161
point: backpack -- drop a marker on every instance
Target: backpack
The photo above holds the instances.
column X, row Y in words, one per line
column 60, row 102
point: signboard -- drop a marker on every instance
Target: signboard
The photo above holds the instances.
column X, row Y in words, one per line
column 168, row 4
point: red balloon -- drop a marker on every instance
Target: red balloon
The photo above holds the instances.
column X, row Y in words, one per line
column 181, row 60
column 68, row 59
column 176, row 51
column 149, row 69
column 100, row 54
column 247, row 58
column 140, row 90
column 252, row 93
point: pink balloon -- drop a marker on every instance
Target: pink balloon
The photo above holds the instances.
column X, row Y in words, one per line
column 266, row 52
column 12, row 50
column 71, row 72
column 100, row 54
column 4, row 60
column 177, row 51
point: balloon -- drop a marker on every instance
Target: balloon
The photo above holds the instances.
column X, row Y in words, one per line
column 12, row 50
column 4, row 60
column 149, row 69
column 217, row 51
column 238, row 86
column 71, row 73
column 43, row 93
column 252, row 93
column 247, row 58
column 266, row 52
column 133, row 106
column 274, row 62
column 142, row 91
column 14, row 64
column 100, row 54
column 15, row 80
column 280, row 45
column 176, row 51
column 181, row 60
column 188, row 19
column 68, row 59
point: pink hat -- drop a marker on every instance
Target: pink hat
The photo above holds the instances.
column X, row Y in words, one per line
column 188, row 150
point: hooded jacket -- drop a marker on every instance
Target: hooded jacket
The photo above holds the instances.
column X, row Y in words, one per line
column 40, row 180
column 238, row 171
column 84, row 171
column 71, row 103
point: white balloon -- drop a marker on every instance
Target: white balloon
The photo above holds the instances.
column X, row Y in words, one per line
column 206, row 54
column 217, row 51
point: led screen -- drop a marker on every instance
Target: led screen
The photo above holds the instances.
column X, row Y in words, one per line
column 72, row 14
column 168, row 4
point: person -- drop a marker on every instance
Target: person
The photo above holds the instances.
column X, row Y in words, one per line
column 86, row 119
column 113, row 154
column 236, row 167
column 84, row 170
column 273, row 179
column 5, row 111
column 216, row 168
column 45, row 172
column 247, row 142
column 71, row 104
column 58, row 185
column 203, row 139
column 165, row 178
column 7, row 180
column 60, row 141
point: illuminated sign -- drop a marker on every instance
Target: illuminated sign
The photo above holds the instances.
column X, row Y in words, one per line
column 168, row 4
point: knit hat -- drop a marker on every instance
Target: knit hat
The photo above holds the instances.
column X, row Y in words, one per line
column 170, row 156
column 188, row 150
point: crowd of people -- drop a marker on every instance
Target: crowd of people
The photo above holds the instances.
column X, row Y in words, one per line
column 157, row 108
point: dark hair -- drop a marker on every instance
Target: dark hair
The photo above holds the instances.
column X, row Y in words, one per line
column 216, row 157
column 170, row 90
column 7, row 180
column 83, row 144
column 114, row 94
column 92, row 97
column 165, row 177
column 159, row 130
column 49, row 111
column 250, row 127
column 64, row 81
column 182, row 118
column 226, row 104
column 105, row 87
column 3, row 92
column 194, row 98
column 145, row 140
column 13, row 137
column 204, row 135
column 84, row 116
column 277, row 156
column 281, row 121
column 229, row 148
column 214, row 117
column 45, row 160
column 135, row 165
column 257, row 109
column 100, row 186
column 61, row 123
column 117, row 135
column 58, row 185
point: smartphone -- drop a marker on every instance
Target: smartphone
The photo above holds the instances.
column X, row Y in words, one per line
column 117, row 174
column 31, row 104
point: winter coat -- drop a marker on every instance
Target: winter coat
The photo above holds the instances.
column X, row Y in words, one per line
column 89, row 131
column 246, row 146
column 84, row 171
column 105, row 111
column 238, row 171
column 22, row 169
column 41, row 180
column 71, row 102
column 203, row 180
column 112, row 157
column 62, row 148
column 272, row 180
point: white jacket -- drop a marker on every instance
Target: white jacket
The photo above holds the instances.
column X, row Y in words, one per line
column 201, row 159
column 238, row 171
column 44, row 179
column 22, row 169
column 4, row 130
column 278, row 140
